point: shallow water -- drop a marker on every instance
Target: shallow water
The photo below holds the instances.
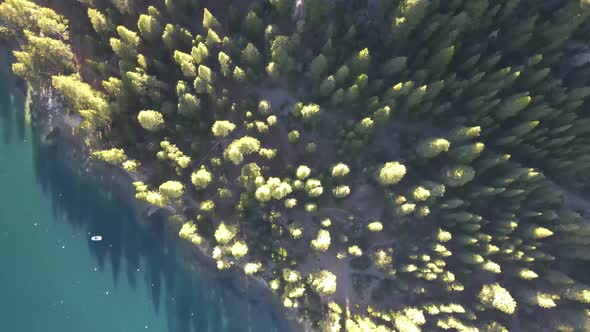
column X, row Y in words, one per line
column 55, row 278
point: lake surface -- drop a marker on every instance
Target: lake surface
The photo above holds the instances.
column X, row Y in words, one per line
column 54, row 278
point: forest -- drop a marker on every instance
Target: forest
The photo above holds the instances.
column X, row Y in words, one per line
column 382, row 165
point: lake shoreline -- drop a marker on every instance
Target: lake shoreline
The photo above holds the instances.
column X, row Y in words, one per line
column 55, row 129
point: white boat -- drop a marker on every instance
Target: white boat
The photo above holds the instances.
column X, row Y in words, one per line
column 96, row 238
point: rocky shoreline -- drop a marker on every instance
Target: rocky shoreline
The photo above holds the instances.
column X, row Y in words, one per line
column 56, row 129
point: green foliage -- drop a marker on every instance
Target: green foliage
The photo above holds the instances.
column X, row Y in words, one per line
column 316, row 11
column 322, row 241
column 201, row 178
column 283, row 7
column 279, row 53
column 432, row 147
column 513, row 105
column 409, row 14
column 314, row 188
column 209, row 21
column 81, row 95
column 450, row 89
column 101, row 24
column 199, row 53
column 458, row 175
column 253, row 26
column 323, row 282
column 341, row 191
column 185, row 61
column 303, row 172
column 176, row 38
column 151, row 120
column 212, row 39
column 318, row 66
column 238, row 149
column 293, row 136
column 340, row 170
column 239, row 75
column 225, row 64
column 171, row 189
column 251, row 56
column 495, row 296
column 22, row 15
column 126, row 46
column 112, row 156
column 239, row 249
column 307, row 112
column 222, row 128
column 391, row 173
column 225, row 233
column 327, row 86
column 150, row 28
column 188, row 104
column 42, row 57
column 361, row 62
column 394, row 66
column 462, row 134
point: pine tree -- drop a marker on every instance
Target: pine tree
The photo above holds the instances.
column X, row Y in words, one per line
column 201, row 178
column 23, row 15
column 150, row 28
column 83, row 98
column 127, row 44
column 212, row 39
column 432, row 147
column 185, row 61
column 495, row 296
column 176, row 38
column 222, row 128
column 253, row 26
column 171, row 189
column 199, row 53
column 151, row 120
column 42, row 57
column 101, row 24
column 251, row 55
column 209, row 21
column 327, row 87
column 188, row 105
column 394, row 66
column 225, row 64
column 361, row 62
column 318, row 66
column 459, row 175
column 283, row 7
column 391, row 173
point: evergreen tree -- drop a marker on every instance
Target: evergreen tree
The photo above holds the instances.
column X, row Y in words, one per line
column 225, row 63
column 318, row 66
column 185, row 61
column 251, row 55
column 151, row 120
column 42, row 57
column 391, row 173
column 253, row 26
column 150, row 28
column 101, row 24
column 209, row 21
column 283, row 7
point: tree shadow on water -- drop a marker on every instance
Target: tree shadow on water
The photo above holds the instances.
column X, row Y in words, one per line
column 12, row 99
column 193, row 298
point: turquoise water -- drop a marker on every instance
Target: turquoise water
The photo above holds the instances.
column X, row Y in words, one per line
column 54, row 278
